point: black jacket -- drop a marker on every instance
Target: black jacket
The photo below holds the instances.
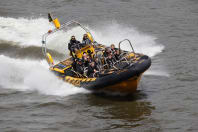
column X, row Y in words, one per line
column 117, row 57
column 86, row 62
column 79, row 68
column 72, row 44
column 90, row 71
column 86, row 41
column 105, row 54
column 110, row 61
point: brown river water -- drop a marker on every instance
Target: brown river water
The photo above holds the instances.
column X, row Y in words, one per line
column 33, row 100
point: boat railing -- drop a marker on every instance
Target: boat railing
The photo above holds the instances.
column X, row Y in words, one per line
column 121, row 42
column 119, row 45
column 79, row 75
column 96, row 74
column 63, row 26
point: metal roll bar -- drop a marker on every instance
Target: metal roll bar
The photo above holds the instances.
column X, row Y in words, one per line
column 129, row 43
column 63, row 26
column 131, row 48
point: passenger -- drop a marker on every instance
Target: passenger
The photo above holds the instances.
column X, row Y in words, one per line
column 79, row 66
column 107, row 52
column 74, row 64
column 117, row 55
column 113, row 49
column 110, row 60
column 92, row 69
column 73, row 44
column 86, row 59
column 89, row 59
column 85, row 40
column 97, row 61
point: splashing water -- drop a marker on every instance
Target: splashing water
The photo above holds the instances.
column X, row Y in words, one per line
column 34, row 76
column 29, row 32
column 142, row 43
column 157, row 73
column 24, row 31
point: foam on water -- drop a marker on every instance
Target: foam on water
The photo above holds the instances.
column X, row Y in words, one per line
column 29, row 32
column 157, row 73
column 24, row 31
column 34, row 76
column 114, row 33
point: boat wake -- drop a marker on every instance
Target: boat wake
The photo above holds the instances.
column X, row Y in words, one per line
column 27, row 75
column 157, row 73
column 23, row 31
column 28, row 32
column 18, row 72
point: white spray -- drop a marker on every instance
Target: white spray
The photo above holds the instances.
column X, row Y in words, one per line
column 34, row 75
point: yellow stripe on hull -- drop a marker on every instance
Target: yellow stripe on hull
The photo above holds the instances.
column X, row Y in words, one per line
column 77, row 81
column 127, row 86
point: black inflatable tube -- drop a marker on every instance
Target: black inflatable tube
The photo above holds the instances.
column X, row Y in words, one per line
column 131, row 71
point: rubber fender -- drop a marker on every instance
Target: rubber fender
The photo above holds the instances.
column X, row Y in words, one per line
column 56, row 23
column 49, row 59
column 90, row 37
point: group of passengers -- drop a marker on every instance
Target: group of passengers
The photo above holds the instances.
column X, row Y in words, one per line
column 112, row 55
column 89, row 63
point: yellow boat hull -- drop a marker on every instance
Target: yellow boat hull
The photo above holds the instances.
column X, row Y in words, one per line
column 126, row 86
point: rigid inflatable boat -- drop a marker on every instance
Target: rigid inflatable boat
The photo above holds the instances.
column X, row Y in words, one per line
column 122, row 77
